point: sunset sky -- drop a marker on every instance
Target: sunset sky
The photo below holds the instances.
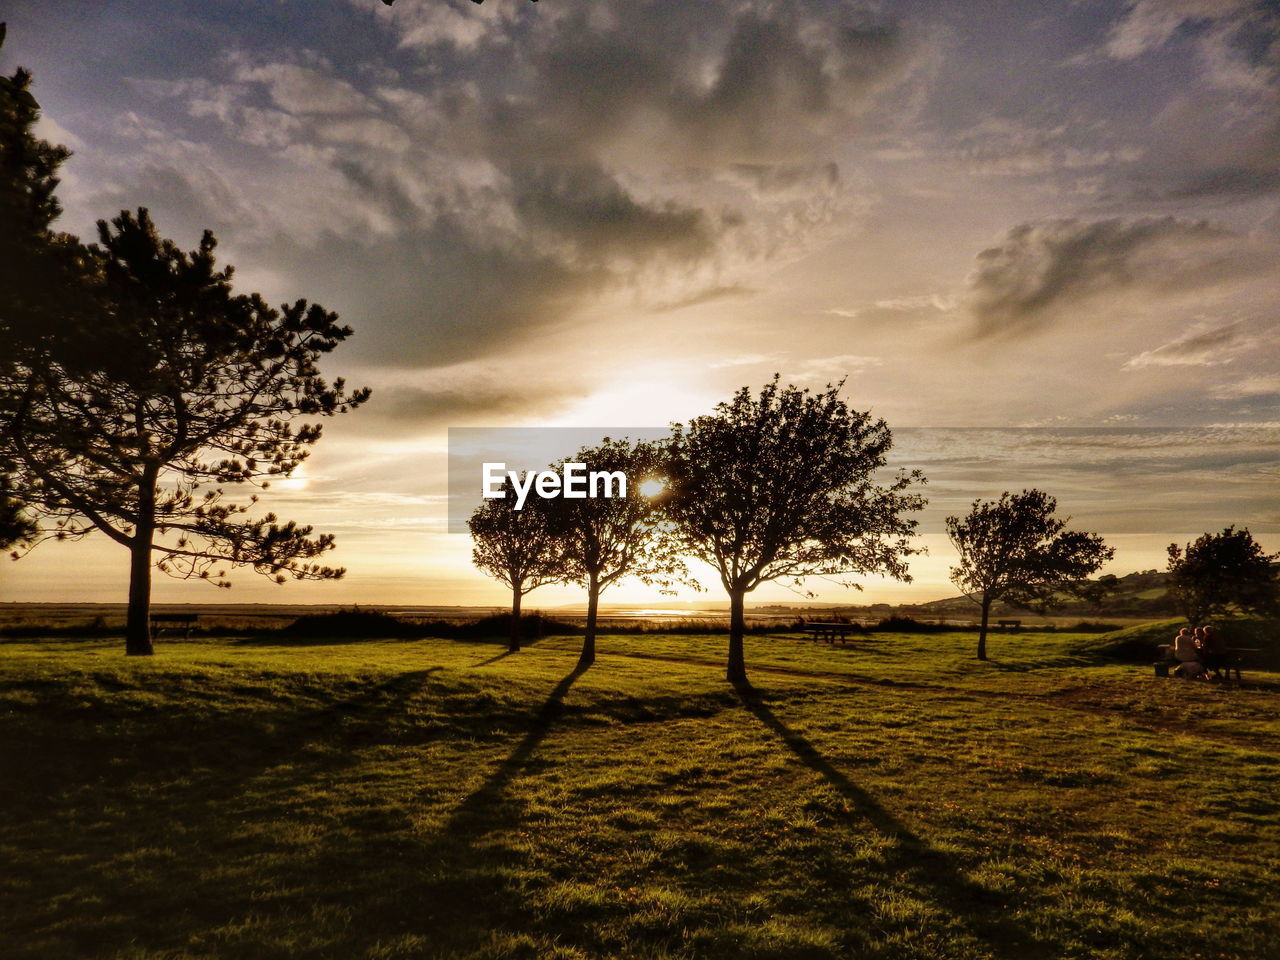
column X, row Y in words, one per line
column 1042, row 240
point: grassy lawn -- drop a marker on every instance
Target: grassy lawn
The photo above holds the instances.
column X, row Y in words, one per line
column 441, row 799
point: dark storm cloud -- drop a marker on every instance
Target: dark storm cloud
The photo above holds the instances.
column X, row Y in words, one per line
column 1041, row 269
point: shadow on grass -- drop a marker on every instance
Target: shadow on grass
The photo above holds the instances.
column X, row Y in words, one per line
column 489, row 794
column 460, row 884
column 975, row 907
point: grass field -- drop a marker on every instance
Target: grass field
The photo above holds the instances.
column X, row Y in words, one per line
column 443, row 799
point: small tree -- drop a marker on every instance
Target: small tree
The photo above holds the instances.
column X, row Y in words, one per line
column 780, row 486
column 515, row 547
column 1014, row 549
column 1216, row 573
column 187, row 386
column 604, row 539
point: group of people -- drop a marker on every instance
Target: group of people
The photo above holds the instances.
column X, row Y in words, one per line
column 1200, row 650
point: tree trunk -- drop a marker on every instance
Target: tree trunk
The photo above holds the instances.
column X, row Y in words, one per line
column 588, row 655
column 737, row 667
column 982, row 631
column 513, row 640
column 137, row 631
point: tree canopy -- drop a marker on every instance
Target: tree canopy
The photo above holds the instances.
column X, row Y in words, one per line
column 1220, row 572
column 1014, row 549
column 782, row 485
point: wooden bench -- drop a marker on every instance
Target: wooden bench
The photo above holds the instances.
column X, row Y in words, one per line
column 173, row 621
column 830, row 631
column 1009, row 624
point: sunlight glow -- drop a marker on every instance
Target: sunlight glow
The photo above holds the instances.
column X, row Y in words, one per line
column 652, row 487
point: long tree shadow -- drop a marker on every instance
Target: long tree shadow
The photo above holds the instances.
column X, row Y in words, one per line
column 472, row 811
column 977, row 908
column 461, row 878
column 501, row 656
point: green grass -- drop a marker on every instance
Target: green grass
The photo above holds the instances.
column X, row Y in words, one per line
column 388, row 799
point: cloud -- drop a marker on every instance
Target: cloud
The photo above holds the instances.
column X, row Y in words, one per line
column 1266, row 385
column 742, row 360
column 533, row 165
column 1149, row 24
column 830, row 369
column 1004, row 146
column 1219, row 136
column 302, row 90
column 709, row 295
column 1044, row 268
column 461, row 397
column 1198, row 347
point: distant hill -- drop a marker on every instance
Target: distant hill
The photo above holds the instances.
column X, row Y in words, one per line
column 1141, row 594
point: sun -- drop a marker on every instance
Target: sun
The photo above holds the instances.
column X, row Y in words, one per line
column 652, row 487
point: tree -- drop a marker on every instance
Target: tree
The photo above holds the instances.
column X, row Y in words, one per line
column 1216, row 573
column 515, row 547
column 604, row 539
column 44, row 274
column 187, row 386
column 780, row 486
column 1014, row 549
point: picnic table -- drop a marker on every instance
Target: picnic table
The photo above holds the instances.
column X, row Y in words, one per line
column 1009, row 624
column 831, row 631
column 1233, row 663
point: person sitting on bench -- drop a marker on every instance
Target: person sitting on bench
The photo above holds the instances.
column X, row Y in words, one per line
column 1185, row 652
column 1213, row 651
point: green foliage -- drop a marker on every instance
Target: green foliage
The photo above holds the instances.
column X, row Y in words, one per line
column 1217, row 573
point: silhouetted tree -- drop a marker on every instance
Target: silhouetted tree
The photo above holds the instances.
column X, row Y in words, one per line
column 44, row 283
column 45, row 276
column 1014, row 549
column 604, row 539
column 189, row 386
column 780, row 486
column 1217, row 573
column 515, row 547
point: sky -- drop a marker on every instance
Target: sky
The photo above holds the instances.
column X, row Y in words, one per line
column 1042, row 241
